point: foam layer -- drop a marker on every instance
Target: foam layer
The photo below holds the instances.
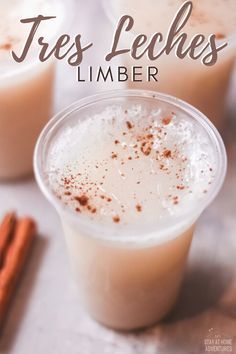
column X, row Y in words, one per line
column 131, row 166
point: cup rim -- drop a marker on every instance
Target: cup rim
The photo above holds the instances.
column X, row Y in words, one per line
column 183, row 221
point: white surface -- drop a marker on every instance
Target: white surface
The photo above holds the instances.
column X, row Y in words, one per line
column 45, row 315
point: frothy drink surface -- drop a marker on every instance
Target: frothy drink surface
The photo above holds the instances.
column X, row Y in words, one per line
column 134, row 166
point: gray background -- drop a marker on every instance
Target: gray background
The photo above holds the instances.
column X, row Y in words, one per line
column 45, row 316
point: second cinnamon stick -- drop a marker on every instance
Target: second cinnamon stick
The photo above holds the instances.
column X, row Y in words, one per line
column 14, row 261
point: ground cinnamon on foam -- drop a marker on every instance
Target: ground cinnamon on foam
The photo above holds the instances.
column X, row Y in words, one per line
column 167, row 120
column 86, row 193
column 116, row 219
column 16, row 236
column 5, row 46
column 220, row 36
column 83, row 200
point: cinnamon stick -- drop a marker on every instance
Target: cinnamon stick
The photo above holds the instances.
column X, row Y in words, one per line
column 6, row 230
column 24, row 233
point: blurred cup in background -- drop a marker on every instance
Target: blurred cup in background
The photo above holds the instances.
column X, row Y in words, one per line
column 26, row 88
column 205, row 87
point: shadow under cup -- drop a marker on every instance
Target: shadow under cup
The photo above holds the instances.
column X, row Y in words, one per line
column 128, row 277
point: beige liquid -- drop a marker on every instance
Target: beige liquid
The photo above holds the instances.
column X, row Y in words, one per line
column 146, row 166
column 26, row 89
column 25, row 107
column 124, row 287
column 203, row 87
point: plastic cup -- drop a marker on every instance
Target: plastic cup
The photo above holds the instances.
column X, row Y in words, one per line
column 26, row 88
column 202, row 86
column 128, row 278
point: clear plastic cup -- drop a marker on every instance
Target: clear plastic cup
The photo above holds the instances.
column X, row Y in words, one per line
column 202, row 86
column 26, row 88
column 128, row 278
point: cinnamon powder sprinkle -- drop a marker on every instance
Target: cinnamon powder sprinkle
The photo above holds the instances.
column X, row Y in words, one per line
column 166, row 120
column 148, row 141
column 180, row 187
column 114, row 155
column 146, row 149
column 129, row 125
column 220, row 36
column 167, row 153
column 66, row 181
column 116, row 219
column 149, row 136
column 83, row 199
column 175, row 200
column 139, row 208
column 6, row 46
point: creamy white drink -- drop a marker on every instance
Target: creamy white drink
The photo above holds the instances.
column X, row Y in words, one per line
column 126, row 165
column 202, row 86
column 129, row 176
column 26, row 89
